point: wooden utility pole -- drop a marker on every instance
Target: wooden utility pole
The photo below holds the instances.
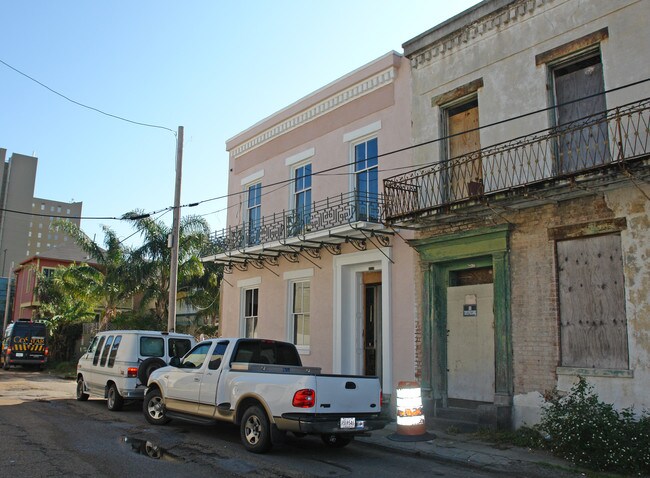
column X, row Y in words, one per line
column 173, row 268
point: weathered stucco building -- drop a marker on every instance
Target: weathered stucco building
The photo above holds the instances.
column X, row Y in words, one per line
column 510, row 253
column 531, row 204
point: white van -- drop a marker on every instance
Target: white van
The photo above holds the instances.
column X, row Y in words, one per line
column 118, row 363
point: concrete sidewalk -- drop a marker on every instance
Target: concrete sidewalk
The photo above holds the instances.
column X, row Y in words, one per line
column 468, row 450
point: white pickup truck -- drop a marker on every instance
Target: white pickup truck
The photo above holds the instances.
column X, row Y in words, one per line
column 262, row 386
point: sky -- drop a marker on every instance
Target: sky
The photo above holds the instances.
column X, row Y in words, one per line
column 213, row 67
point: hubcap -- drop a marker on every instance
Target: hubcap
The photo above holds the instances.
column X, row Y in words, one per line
column 253, row 430
column 155, row 408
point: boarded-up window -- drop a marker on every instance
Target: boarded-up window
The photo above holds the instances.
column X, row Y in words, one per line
column 580, row 114
column 466, row 171
column 592, row 302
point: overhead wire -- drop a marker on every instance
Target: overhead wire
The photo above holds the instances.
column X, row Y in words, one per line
column 286, row 182
column 78, row 103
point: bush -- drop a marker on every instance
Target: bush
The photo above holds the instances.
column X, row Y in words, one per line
column 590, row 433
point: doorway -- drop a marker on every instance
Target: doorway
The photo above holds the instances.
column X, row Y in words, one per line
column 372, row 323
column 470, row 341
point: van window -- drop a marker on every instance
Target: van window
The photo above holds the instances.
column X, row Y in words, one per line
column 152, row 346
column 179, row 347
column 116, row 345
column 98, row 350
column 93, row 345
column 107, row 348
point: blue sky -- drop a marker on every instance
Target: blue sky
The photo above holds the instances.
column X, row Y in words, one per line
column 213, row 67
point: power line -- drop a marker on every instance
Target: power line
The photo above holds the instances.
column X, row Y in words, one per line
column 426, row 143
column 288, row 181
column 92, row 108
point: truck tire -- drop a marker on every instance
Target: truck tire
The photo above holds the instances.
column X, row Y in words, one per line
column 336, row 440
column 255, row 430
column 114, row 400
column 81, row 395
column 148, row 366
column 153, row 408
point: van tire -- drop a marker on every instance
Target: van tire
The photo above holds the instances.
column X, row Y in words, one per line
column 255, row 430
column 148, row 366
column 114, row 400
column 153, row 408
column 81, row 395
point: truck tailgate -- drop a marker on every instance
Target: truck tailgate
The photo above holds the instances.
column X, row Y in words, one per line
column 343, row 394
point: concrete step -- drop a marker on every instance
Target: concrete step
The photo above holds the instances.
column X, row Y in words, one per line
column 446, row 425
column 457, row 413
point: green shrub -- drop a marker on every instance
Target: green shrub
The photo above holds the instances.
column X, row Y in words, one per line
column 590, row 433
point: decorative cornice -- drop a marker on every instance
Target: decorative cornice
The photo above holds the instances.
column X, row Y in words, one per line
column 321, row 108
column 461, row 37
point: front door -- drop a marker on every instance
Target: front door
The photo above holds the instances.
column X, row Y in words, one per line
column 470, row 341
column 372, row 324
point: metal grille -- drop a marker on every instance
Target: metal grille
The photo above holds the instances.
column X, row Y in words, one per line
column 615, row 136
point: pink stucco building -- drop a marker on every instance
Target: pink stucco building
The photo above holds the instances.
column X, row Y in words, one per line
column 307, row 257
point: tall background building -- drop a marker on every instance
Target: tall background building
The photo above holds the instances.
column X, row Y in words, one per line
column 25, row 220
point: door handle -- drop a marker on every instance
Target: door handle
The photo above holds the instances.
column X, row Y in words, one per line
column 197, row 379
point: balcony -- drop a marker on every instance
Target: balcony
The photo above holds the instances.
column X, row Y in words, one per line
column 594, row 152
column 347, row 218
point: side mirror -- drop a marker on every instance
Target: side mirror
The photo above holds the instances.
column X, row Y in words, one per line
column 175, row 362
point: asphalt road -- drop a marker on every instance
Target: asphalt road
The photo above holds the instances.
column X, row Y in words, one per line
column 45, row 432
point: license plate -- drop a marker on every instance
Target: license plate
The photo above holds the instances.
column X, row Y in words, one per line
column 19, row 354
column 348, row 423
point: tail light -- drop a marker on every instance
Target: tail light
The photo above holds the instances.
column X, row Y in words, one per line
column 305, row 398
column 8, row 350
column 47, row 351
column 132, row 372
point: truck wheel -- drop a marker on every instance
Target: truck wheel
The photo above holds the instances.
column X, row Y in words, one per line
column 255, row 430
column 114, row 401
column 335, row 440
column 154, row 408
column 148, row 366
column 81, row 395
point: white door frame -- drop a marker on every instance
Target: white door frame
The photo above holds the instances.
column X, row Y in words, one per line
column 347, row 352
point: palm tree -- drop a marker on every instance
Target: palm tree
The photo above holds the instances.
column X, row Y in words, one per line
column 152, row 260
column 118, row 282
column 68, row 297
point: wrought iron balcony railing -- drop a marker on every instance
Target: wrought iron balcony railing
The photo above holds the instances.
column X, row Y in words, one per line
column 593, row 142
column 341, row 210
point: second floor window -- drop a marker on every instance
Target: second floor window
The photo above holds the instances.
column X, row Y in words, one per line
column 580, row 113
column 302, row 197
column 366, row 179
column 254, row 213
column 464, row 169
